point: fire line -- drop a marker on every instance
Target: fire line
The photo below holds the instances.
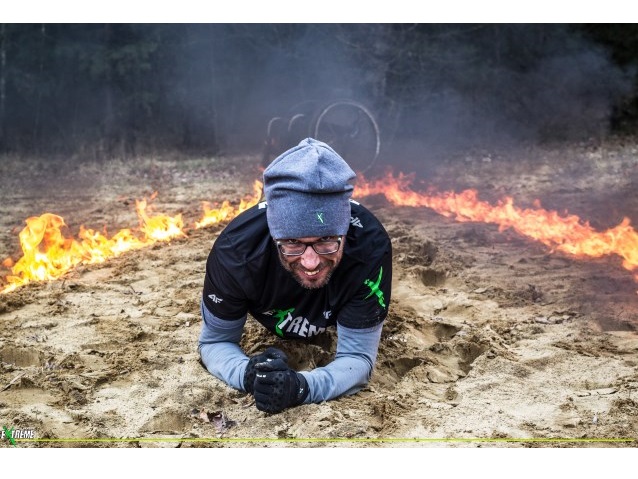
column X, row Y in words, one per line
column 47, row 254
column 567, row 234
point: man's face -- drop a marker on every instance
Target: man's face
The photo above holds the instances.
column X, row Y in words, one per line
column 310, row 269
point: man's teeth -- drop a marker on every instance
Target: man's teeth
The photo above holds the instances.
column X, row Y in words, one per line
column 311, row 273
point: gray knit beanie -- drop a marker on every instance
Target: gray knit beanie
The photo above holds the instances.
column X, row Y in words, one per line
column 308, row 189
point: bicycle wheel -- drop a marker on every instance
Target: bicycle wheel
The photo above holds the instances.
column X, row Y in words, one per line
column 351, row 130
column 275, row 140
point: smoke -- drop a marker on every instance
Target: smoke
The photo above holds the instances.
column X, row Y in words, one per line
column 511, row 83
column 213, row 87
column 444, row 85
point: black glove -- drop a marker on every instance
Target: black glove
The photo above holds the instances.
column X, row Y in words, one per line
column 278, row 387
column 268, row 355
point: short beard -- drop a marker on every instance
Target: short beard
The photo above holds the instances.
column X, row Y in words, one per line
column 288, row 267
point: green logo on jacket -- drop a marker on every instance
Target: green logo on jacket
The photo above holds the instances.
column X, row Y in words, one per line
column 281, row 316
column 374, row 289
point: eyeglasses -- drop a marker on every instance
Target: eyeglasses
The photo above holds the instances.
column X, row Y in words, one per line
column 297, row 248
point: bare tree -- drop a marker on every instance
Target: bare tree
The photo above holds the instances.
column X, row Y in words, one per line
column 3, row 82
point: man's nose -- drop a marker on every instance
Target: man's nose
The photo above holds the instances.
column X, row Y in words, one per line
column 310, row 259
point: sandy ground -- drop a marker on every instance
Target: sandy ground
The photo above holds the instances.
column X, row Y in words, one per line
column 492, row 340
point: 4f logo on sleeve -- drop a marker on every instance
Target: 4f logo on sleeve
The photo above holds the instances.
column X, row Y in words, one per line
column 355, row 221
column 215, row 299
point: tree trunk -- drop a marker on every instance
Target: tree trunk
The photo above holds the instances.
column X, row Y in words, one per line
column 38, row 105
column 3, row 83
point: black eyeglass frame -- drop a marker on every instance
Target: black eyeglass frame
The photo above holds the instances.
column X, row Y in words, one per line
column 280, row 246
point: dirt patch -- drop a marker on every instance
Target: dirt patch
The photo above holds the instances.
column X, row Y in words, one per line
column 490, row 335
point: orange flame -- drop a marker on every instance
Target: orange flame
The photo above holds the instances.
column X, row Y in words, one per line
column 227, row 211
column 561, row 233
column 160, row 227
column 48, row 254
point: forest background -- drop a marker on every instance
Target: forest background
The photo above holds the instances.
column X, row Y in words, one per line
column 119, row 89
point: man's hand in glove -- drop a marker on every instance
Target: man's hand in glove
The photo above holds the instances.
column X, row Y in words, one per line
column 269, row 354
column 278, row 387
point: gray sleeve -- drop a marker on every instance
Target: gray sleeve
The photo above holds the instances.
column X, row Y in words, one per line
column 351, row 368
column 219, row 348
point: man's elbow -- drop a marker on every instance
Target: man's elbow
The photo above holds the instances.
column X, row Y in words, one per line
column 365, row 361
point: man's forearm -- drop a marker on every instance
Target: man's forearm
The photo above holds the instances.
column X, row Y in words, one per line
column 220, row 351
column 349, row 372
column 351, row 369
